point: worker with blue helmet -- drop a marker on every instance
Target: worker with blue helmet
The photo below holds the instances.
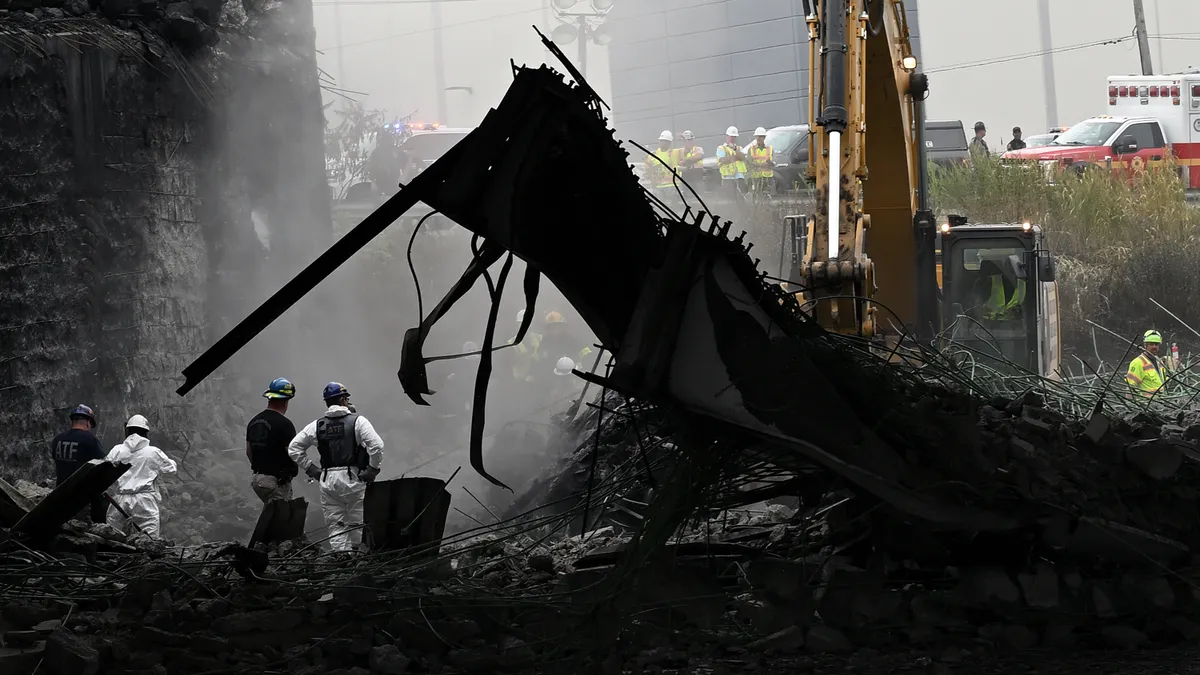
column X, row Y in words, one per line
column 75, row 447
column 267, row 438
column 350, row 454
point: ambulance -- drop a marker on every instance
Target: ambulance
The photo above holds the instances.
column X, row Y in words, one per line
column 1151, row 119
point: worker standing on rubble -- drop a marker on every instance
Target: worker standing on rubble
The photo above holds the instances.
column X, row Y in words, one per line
column 762, row 162
column 137, row 489
column 661, row 163
column 1144, row 375
column 267, row 437
column 731, row 162
column 75, row 447
column 351, row 453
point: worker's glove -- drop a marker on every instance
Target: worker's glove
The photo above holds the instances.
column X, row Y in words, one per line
column 313, row 472
column 368, row 474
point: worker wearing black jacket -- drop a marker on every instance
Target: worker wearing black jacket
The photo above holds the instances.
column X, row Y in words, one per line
column 75, row 447
column 267, row 438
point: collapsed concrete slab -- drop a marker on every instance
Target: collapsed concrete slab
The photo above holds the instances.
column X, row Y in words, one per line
column 406, row 513
column 49, row 515
column 280, row 520
column 13, row 505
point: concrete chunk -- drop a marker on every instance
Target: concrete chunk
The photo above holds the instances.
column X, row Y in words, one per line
column 1158, row 459
column 827, row 639
column 988, row 586
column 68, row 654
column 1041, row 587
column 788, row 639
column 1124, row 637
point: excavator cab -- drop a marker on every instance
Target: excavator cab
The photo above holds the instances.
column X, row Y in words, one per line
column 999, row 299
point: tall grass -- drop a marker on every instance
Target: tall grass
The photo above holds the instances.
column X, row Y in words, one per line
column 1118, row 242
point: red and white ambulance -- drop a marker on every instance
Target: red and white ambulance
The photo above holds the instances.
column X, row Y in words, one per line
column 1151, row 118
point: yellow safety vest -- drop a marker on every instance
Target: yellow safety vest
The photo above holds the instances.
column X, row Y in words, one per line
column 758, row 167
column 732, row 169
column 1143, row 375
column 685, row 154
column 527, row 353
column 997, row 306
column 661, row 176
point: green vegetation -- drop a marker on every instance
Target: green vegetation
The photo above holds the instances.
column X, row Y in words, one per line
column 1118, row 243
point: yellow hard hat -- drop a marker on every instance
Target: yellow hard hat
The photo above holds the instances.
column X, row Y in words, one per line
column 555, row 317
column 1152, row 337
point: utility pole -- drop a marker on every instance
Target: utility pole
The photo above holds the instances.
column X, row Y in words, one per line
column 1048, row 63
column 1139, row 17
column 583, row 38
column 341, row 59
column 439, row 62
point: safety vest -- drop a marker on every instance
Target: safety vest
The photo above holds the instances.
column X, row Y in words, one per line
column 526, row 355
column 662, row 175
column 762, row 161
column 685, row 158
column 1143, row 375
column 337, row 443
column 732, row 169
column 998, row 307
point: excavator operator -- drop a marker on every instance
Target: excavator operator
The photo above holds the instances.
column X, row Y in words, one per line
column 1003, row 294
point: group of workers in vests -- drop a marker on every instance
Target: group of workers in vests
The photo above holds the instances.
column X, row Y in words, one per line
column 742, row 169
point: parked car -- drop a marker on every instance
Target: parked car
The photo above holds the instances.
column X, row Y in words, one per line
column 789, row 146
column 946, row 142
column 1042, row 140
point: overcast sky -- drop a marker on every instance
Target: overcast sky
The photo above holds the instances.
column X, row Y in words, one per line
column 385, row 49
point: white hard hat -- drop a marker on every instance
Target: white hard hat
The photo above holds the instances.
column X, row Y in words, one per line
column 138, row 422
column 731, row 131
column 564, row 366
column 469, row 348
column 760, row 132
column 666, row 136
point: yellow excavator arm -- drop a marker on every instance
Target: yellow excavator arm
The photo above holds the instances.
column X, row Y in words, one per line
column 869, row 263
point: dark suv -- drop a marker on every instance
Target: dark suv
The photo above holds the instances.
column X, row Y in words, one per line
column 946, row 142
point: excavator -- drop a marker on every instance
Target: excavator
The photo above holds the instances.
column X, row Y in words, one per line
column 871, row 260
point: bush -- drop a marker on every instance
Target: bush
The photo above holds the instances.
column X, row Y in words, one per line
column 1118, row 243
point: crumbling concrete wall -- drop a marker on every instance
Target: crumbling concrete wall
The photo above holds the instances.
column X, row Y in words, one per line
column 113, row 229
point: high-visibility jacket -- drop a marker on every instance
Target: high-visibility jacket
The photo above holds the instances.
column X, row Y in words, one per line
column 1143, row 375
column 659, row 174
column 1000, row 307
column 526, row 355
column 762, row 161
column 686, row 159
column 734, row 168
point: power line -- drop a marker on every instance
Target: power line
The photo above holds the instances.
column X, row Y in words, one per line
column 430, row 30
column 1030, row 55
column 331, row 3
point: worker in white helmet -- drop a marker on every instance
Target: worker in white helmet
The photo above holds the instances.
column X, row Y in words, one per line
column 661, row 163
column 689, row 158
column 731, row 162
column 762, row 162
column 136, row 491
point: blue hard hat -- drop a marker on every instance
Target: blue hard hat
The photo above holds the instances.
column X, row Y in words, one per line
column 281, row 388
column 334, row 390
column 85, row 412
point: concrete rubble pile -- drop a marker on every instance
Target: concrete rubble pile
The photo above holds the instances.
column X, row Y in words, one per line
column 188, row 25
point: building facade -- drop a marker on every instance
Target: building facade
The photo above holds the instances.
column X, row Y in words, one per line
column 704, row 65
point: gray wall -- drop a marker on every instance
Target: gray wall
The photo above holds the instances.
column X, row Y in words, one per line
column 706, row 64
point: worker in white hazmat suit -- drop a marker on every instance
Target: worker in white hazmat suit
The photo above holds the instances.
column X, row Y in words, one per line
column 350, row 453
column 136, row 491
